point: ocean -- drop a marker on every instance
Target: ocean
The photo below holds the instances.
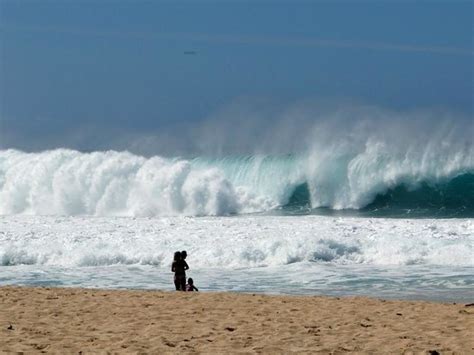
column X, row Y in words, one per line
column 376, row 222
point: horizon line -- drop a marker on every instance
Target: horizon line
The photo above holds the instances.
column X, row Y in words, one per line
column 249, row 39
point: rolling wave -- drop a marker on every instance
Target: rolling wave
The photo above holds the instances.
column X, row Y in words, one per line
column 373, row 180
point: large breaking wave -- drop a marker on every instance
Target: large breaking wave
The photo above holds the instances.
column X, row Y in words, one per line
column 346, row 159
column 376, row 179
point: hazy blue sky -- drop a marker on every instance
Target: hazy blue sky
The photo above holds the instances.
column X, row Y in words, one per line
column 83, row 74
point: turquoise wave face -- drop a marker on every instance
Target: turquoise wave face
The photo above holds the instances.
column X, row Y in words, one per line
column 287, row 180
column 271, row 178
column 454, row 198
column 370, row 182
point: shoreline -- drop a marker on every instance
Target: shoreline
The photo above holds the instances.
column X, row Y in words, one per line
column 90, row 320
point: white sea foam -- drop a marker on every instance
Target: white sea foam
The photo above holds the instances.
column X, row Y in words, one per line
column 234, row 242
column 65, row 182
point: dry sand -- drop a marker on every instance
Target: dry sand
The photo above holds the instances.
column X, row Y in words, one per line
column 65, row 320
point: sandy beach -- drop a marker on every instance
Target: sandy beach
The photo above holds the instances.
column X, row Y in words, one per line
column 83, row 320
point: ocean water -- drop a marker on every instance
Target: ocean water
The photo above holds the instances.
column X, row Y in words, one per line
column 377, row 221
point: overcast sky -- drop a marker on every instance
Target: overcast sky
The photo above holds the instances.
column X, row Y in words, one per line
column 92, row 74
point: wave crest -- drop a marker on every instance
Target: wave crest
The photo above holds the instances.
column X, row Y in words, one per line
column 370, row 178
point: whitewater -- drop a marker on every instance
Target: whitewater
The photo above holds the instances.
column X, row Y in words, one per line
column 382, row 214
column 397, row 258
column 67, row 182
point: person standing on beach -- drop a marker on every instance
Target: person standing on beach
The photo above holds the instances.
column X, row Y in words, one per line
column 184, row 255
column 179, row 267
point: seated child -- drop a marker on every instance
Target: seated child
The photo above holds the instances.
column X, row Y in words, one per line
column 190, row 285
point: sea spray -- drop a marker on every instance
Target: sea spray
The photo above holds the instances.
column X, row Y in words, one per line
column 345, row 158
column 66, row 182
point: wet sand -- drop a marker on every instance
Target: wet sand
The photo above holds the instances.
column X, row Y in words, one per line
column 67, row 320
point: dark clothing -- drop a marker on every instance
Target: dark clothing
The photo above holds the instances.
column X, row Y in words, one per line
column 179, row 268
column 180, row 283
